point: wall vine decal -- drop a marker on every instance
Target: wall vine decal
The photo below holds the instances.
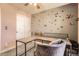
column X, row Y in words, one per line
column 62, row 19
column 71, row 23
column 57, row 28
column 62, row 10
column 55, row 20
column 45, row 25
column 77, row 19
column 61, row 26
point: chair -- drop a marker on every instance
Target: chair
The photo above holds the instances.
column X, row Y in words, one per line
column 53, row 49
column 74, row 46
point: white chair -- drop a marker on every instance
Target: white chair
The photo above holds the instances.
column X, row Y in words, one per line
column 54, row 49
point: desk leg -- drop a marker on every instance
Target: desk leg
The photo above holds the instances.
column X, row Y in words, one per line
column 34, row 47
column 34, row 44
column 42, row 41
column 16, row 48
column 25, row 50
column 78, row 51
column 70, row 50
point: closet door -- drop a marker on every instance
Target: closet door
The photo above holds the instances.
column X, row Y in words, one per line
column 8, row 27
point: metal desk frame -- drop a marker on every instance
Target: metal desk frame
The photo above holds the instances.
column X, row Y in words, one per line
column 25, row 47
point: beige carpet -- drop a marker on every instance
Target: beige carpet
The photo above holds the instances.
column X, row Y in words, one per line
column 21, row 51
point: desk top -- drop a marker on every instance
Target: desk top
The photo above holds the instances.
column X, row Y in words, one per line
column 32, row 38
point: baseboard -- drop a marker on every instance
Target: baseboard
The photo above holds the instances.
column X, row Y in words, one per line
column 7, row 49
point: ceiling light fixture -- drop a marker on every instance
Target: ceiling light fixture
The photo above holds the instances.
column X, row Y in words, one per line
column 33, row 4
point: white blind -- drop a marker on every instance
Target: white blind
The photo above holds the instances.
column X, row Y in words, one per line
column 23, row 26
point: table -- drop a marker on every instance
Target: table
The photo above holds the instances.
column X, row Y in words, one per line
column 27, row 40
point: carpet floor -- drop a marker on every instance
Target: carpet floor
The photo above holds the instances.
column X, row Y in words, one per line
column 21, row 50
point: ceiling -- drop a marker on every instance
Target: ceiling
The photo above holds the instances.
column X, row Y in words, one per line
column 32, row 9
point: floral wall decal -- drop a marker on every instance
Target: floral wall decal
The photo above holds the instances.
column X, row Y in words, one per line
column 61, row 20
column 45, row 25
column 61, row 26
column 71, row 23
column 59, row 16
column 77, row 19
column 62, row 10
column 55, row 20
column 56, row 14
column 57, row 28
column 68, row 16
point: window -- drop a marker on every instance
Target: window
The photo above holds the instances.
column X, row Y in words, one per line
column 22, row 26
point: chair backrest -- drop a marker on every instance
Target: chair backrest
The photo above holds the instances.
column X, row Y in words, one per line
column 41, row 49
column 56, row 49
column 74, row 44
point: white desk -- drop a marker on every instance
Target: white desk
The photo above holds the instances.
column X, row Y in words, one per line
column 50, row 39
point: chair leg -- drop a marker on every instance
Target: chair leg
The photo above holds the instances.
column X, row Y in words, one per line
column 34, row 53
column 67, row 52
column 49, row 53
column 77, row 51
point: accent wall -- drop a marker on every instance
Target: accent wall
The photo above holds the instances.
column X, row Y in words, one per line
column 63, row 19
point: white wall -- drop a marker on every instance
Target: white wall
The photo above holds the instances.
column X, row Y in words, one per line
column 8, row 18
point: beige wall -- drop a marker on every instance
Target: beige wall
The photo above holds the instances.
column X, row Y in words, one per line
column 58, row 20
column 0, row 28
column 78, row 23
